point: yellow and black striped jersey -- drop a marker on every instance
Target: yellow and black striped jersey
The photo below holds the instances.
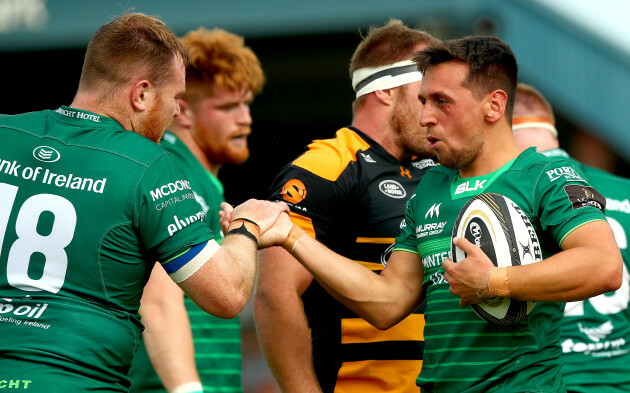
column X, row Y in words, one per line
column 350, row 193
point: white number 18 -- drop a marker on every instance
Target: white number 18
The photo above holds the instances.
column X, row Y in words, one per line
column 29, row 241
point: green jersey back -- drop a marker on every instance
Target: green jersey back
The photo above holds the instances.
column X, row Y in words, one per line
column 86, row 210
column 463, row 353
column 217, row 341
column 596, row 332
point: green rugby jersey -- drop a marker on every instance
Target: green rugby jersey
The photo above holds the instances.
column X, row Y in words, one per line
column 462, row 352
column 217, row 341
column 86, row 208
column 596, row 332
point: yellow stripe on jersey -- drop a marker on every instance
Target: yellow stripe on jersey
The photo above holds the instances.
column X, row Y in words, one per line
column 328, row 158
column 358, row 331
column 376, row 240
column 393, row 376
column 303, row 222
column 371, row 265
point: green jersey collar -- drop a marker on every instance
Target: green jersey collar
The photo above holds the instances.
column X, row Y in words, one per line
column 470, row 186
column 555, row 153
column 82, row 117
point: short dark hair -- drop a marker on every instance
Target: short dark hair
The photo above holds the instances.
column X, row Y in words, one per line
column 492, row 65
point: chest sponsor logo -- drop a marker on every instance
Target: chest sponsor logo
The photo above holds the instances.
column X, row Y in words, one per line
column 294, row 191
column 46, row 154
column 392, row 189
column 467, row 186
column 433, row 228
column 435, row 260
column 583, row 196
column 565, row 171
column 169, row 188
column 618, row 206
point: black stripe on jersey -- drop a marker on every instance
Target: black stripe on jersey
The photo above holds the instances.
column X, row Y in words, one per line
column 390, row 350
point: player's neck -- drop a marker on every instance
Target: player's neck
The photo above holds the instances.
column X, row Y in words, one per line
column 89, row 102
column 498, row 149
column 380, row 131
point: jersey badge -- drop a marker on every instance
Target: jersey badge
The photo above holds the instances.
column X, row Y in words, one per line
column 433, row 209
column 583, row 196
column 46, row 154
column 294, row 191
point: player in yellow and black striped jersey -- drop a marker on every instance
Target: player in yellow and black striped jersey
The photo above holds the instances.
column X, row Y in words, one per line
column 350, row 193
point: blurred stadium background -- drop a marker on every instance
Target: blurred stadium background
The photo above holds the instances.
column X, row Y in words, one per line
column 576, row 52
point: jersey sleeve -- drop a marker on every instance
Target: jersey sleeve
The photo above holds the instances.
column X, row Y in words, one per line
column 566, row 200
column 317, row 204
column 166, row 213
column 406, row 241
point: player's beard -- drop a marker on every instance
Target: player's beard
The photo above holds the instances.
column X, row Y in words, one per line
column 156, row 122
column 462, row 157
column 405, row 123
column 223, row 150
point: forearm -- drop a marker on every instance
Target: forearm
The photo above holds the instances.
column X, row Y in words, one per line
column 382, row 300
column 222, row 285
column 290, row 361
column 575, row 274
column 167, row 333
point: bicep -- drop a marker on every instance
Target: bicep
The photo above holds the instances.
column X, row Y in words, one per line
column 404, row 273
column 595, row 234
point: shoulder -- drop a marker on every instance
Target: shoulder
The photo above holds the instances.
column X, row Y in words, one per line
column 23, row 120
column 328, row 158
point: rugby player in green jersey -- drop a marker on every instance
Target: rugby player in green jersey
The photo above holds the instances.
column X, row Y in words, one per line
column 89, row 203
column 211, row 130
column 595, row 344
column 467, row 94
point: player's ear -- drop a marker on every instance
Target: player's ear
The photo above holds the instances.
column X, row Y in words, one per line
column 385, row 96
column 186, row 115
column 494, row 105
column 140, row 95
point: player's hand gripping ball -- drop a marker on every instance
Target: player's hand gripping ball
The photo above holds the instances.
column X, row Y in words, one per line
column 504, row 233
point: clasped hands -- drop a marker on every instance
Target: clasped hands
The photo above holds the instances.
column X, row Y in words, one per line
column 271, row 217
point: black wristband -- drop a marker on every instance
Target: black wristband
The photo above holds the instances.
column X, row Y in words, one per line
column 248, row 220
column 242, row 230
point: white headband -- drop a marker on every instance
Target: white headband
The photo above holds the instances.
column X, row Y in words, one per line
column 367, row 80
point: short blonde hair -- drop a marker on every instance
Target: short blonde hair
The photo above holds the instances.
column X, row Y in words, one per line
column 220, row 58
column 129, row 44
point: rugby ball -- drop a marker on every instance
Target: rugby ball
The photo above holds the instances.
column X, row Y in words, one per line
column 499, row 227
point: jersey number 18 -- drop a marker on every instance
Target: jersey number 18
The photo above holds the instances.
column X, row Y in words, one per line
column 29, row 241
